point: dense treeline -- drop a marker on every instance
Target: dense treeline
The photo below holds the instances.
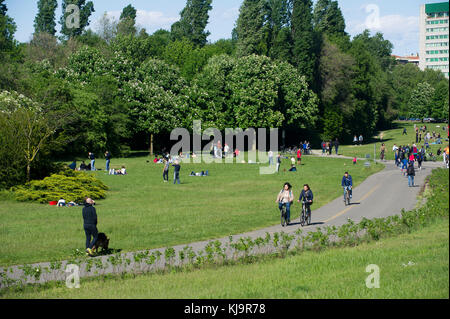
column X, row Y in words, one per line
column 288, row 65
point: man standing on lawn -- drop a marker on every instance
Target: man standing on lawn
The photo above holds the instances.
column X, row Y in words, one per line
column 90, row 225
column 299, row 156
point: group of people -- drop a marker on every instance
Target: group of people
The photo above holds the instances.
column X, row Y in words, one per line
column 405, row 156
column 357, row 140
column 428, row 137
column 91, row 165
column 169, row 161
column 286, row 196
column 327, row 147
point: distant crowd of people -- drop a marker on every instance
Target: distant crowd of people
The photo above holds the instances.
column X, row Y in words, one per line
column 91, row 166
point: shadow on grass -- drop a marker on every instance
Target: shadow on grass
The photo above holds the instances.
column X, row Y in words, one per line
column 109, row 251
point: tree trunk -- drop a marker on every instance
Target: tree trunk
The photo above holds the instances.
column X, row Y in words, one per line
column 151, row 144
column 28, row 172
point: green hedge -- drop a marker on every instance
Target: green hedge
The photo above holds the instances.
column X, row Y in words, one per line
column 67, row 184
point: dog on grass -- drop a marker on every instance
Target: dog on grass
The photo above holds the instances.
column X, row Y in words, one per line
column 102, row 241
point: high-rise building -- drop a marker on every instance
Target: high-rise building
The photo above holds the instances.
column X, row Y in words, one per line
column 434, row 37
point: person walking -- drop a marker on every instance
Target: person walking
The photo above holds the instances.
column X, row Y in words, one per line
column 270, row 154
column 404, row 131
column 419, row 160
column 382, row 151
column 299, row 156
column 355, row 140
column 278, row 162
column 411, row 173
column 176, row 173
column 108, row 160
column 360, row 139
column 336, row 146
column 219, row 149
column 226, row 149
column 91, row 156
column 166, row 170
column 90, row 224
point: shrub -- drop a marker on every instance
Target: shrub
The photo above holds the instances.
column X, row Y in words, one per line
column 67, row 184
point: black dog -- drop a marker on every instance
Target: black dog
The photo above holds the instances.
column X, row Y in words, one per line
column 102, row 241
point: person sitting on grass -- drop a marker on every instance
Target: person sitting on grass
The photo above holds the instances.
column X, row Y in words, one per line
column 73, row 165
column 61, row 202
column 293, row 168
column 83, row 166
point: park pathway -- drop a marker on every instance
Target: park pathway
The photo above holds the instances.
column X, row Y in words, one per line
column 382, row 194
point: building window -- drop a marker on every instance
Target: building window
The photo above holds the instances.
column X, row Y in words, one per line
column 437, row 44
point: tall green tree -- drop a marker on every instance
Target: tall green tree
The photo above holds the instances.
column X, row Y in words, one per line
column 45, row 18
column 7, row 29
column 328, row 18
column 304, row 55
column 278, row 19
column 420, row 103
column 193, row 21
column 85, row 10
column 127, row 23
column 250, row 28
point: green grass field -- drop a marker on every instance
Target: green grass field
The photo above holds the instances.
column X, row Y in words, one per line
column 394, row 136
column 412, row 265
column 142, row 212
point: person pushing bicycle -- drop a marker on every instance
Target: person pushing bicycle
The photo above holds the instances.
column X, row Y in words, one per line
column 306, row 196
column 285, row 197
column 347, row 184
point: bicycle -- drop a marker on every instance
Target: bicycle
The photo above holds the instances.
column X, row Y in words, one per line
column 283, row 215
column 305, row 216
column 347, row 195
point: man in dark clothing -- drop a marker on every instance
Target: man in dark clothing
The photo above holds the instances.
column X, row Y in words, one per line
column 176, row 173
column 92, row 158
column 90, row 224
column 336, row 146
column 411, row 173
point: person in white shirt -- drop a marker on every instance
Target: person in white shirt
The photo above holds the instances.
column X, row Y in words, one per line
column 61, row 202
column 270, row 154
column 226, row 149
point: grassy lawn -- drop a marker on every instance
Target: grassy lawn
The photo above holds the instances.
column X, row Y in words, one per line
column 412, row 265
column 394, row 136
column 142, row 212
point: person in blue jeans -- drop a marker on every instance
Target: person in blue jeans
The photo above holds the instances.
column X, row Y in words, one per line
column 411, row 173
column 92, row 158
column 176, row 173
column 90, row 224
column 347, row 183
column 286, row 197
column 108, row 160
column 307, row 196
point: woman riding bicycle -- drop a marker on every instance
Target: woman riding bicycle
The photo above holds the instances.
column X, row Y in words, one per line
column 285, row 197
column 306, row 196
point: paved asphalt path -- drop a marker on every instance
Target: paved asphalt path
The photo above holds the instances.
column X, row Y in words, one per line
column 380, row 195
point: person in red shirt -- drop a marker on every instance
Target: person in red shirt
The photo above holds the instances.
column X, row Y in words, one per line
column 299, row 157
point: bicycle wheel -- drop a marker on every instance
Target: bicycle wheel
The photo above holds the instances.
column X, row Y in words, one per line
column 283, row 216
column 309, row 217
column 348, row 197
column 345, row 198
column 302, row 216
